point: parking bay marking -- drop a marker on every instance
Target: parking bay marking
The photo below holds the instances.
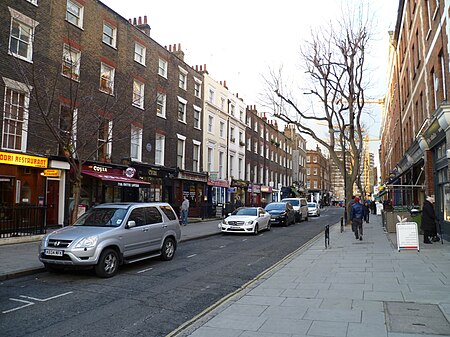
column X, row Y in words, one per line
column 144, row 270
column 28, row 303
column 191, row 256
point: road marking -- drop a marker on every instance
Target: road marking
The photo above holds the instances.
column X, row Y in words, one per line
column 261, row 258
column 28, row 303
column 144, row 270
column 46, row 299
column 191, row 256
column 244, row 240
column 222, row 246
column 21, row 307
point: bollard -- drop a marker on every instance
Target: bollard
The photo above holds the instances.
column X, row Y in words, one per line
column 342, row 224
column 327, row 236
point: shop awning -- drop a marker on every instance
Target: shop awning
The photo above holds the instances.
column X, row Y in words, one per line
column 115, row 178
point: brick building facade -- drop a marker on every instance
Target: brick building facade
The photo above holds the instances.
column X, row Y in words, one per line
column 415, row 136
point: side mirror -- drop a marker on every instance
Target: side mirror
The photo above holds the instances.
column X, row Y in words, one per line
column 130, row 224
column 229, row 214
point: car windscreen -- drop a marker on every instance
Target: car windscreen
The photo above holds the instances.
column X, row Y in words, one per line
column 279, row 206
column 245, row 211
column 311, row 205
column 294, row 202
column 102, row 217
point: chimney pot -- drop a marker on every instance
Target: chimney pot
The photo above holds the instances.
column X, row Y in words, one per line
column 129, row 20
column 145, row 19
column 140, row 20
column 134, row 21
column 204, row 66
column 174, row 47
column 201, row 68
column 170, row 47
column 179, row 46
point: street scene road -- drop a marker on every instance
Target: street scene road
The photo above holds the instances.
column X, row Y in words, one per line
column 150, row 298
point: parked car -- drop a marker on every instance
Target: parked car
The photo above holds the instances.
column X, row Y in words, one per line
column 313, row 209
column 109, row 235
column 246, row 220
column 300, row 206
column 281, row 213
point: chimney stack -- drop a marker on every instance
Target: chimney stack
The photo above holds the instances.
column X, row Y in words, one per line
column 178, row 52
column 141, row 25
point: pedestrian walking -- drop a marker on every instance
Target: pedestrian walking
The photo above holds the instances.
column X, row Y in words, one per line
column 373, row 207
column 184, row 211
column 429, row 221
column 356, row 217
column 366, row 211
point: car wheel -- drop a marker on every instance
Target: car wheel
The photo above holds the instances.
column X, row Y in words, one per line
column 168, row 249
column 108, row 263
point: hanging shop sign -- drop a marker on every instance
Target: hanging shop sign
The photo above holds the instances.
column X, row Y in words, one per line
column 23, row 160
column 51, row 173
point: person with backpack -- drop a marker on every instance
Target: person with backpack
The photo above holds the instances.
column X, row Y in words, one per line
column 356, row 217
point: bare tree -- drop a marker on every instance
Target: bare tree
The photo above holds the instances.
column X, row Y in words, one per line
column 73, row 117
column 334, row 62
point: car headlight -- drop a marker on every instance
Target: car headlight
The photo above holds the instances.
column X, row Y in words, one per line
column 88, row 242
column 224, row 222
column 249, row 222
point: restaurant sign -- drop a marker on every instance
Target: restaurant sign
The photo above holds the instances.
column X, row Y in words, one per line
column 23, row 160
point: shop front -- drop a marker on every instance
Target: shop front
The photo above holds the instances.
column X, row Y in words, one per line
column 216, row 193
column 254, row 195
column 108, row 183
column 192, row 185
column 266, row 195
column 239, row 192
column 160, row 183
column 21, row 181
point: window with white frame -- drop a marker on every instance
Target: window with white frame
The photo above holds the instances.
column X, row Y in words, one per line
column 267, row 151
column 240, row 164
column 21, row 35
column 262, row 132
column 139, row 53
column 160, row 143
column 232, row 138
column 256, row 127
column 104, row 142
column 161, row 104
column 136, row 143
column 241, row 138
column 221, row 165
column 197, row 88
column 109, row 34
column 266, row 181
column 315, row 184
column 232, row 166
column 261, row 175
column 107, row 78
column 315, row 159
column 210, row 159
column 247, row 172
column 210, row 123
column 181, row 148
column 182, row 109
column 241, row 115
column 197, row 117
column 196, row 156
column 232, row 109
column 222, row 103
column 162, row 68
column 255, row 174
column 15, row 115
column 249, row 122
column 255, row 147
column 211, row 96
column 249, row 144
column 182, row 78
column 138, row 94
column 261, row 152
column 71, row 62
column 74, row 13
column 315, row 171
column 222, row 129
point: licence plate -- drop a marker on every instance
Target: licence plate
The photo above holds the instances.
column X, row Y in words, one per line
column 54, row 252
column 235, row 227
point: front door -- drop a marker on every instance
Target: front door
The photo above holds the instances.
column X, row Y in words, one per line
column 52, row 202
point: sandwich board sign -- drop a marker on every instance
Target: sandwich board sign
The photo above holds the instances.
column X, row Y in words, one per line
column 407, row 235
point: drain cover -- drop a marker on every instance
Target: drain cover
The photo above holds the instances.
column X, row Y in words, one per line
column 415, row 318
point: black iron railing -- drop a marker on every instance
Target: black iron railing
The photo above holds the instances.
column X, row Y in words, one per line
column 22, row 220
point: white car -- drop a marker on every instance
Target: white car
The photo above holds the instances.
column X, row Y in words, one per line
column 313, row 209
column 246, row 220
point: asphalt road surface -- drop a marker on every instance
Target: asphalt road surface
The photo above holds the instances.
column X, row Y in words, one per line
column 150, row 298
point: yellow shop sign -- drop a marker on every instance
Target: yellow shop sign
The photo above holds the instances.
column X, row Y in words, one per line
column 51, row 173
column 22, row 160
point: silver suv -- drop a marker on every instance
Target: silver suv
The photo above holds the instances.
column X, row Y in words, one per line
column 112, row 234
column 300, row 206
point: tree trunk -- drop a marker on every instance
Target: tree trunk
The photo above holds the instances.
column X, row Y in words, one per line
column 76, row 200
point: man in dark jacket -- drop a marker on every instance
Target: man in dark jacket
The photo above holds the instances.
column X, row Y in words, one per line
column 356, row 217
column 428, row 220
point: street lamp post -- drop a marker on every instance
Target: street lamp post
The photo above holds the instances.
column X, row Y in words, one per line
column 345, row 183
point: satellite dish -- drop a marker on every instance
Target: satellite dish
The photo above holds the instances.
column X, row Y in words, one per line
column 148, row 147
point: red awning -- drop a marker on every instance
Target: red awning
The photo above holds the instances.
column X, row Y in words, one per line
column 119, row 179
